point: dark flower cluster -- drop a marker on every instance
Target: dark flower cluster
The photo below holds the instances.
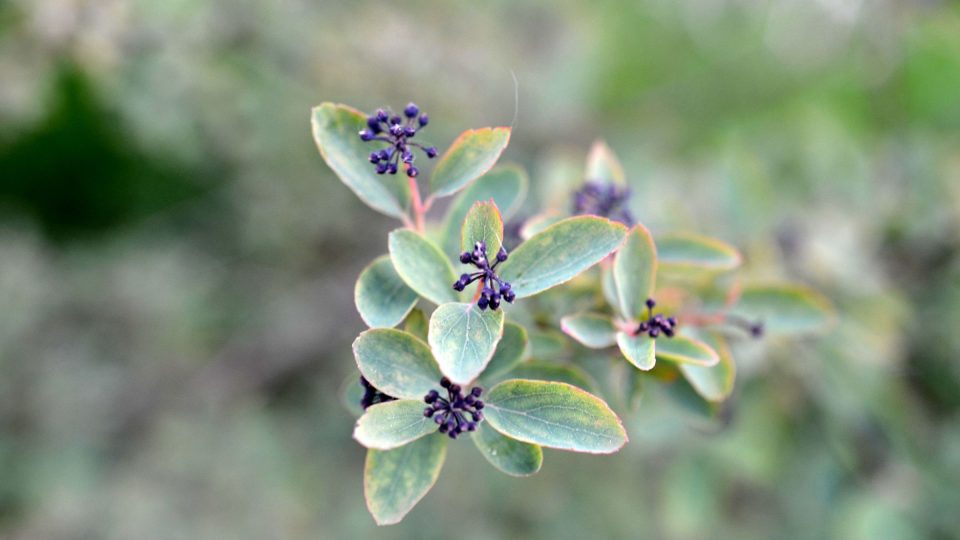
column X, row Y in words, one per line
column 656, row 324
column 489, row 297
column 603, row 199
column 451, row 413
column 396, row 131
column 372, row 396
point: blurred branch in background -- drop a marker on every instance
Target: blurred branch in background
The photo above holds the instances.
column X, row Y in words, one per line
column 176, row 263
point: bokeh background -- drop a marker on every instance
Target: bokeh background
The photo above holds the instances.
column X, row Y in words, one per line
column 177, row 262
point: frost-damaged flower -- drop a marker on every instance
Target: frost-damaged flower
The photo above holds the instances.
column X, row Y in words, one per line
column 604, row 200
column 655, row 324
column 396, row 131
column 451, row 413
column 372, row 396
column 489, row 297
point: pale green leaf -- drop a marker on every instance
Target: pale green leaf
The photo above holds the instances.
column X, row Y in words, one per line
column 463, row 338
column 635, row 272
column 396, row 363
column 640, row 350
column 392, row 424
column 555, row 415
column 686, row 350
column 422, row 266
column 509, row 455
column 716, row 382
column 473, row 153
column 590, row 329
column 685, row 253
column 483, row 223
column 786, row 309
column 603, row 165
column 395, row 480
column 382, row 298
column 336, row 131
column 560, row 252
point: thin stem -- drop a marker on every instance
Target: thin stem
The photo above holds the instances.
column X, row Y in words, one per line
column 418, row 208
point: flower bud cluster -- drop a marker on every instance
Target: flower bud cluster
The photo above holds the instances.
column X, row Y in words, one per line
column 456, row 413
column 656, row 324
column 397, row 132
column 494, row 289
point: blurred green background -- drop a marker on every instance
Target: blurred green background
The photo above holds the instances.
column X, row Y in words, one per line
column 177, row 263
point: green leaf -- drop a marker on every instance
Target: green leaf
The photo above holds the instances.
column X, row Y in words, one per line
column 335, row 130
column 549, row 371
column 786, row 309
column 509, row 455
column 422, row 266
column 392, row 424
column 547, row 344
column 683, row 349
column 635, row 272
column 395, row 480
column 473, row 153
column 396, row 363
column 382, row 298
column 639, row 350
column 683, row 253
column 416, row 324
column 506, row 185
column 560, row 252
column 553, row 414
column 603, row 165
column 483, row 223
column 510, row 351
column 590, row 329
column 713, row 383
column 609, row 288
column 463, row 338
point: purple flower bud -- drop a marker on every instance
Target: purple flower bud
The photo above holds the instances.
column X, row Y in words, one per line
column 483, row 302
column 395, row 120
column 654, row 332
column 407, row 156
column 395, row 130
column 412, row 172
column 374, row 157
column 424, row 119
column 509, row 296
column 502, row 254
column 445, row 382
column 409, row 131
column 428, row 412
column 431, row 151
column 382, row 168
column 465, row 257
column 393, row 168
column 382, row 115
column 373, row 123
column 411, row 111
column 651, row 302
column 476, row 391
column 366, row 135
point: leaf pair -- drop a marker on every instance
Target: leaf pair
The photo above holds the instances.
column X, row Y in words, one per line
column 336, row 128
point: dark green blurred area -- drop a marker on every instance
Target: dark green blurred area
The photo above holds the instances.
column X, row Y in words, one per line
column 177, row 263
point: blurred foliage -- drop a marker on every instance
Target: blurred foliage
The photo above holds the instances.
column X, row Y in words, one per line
column 173, row 371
